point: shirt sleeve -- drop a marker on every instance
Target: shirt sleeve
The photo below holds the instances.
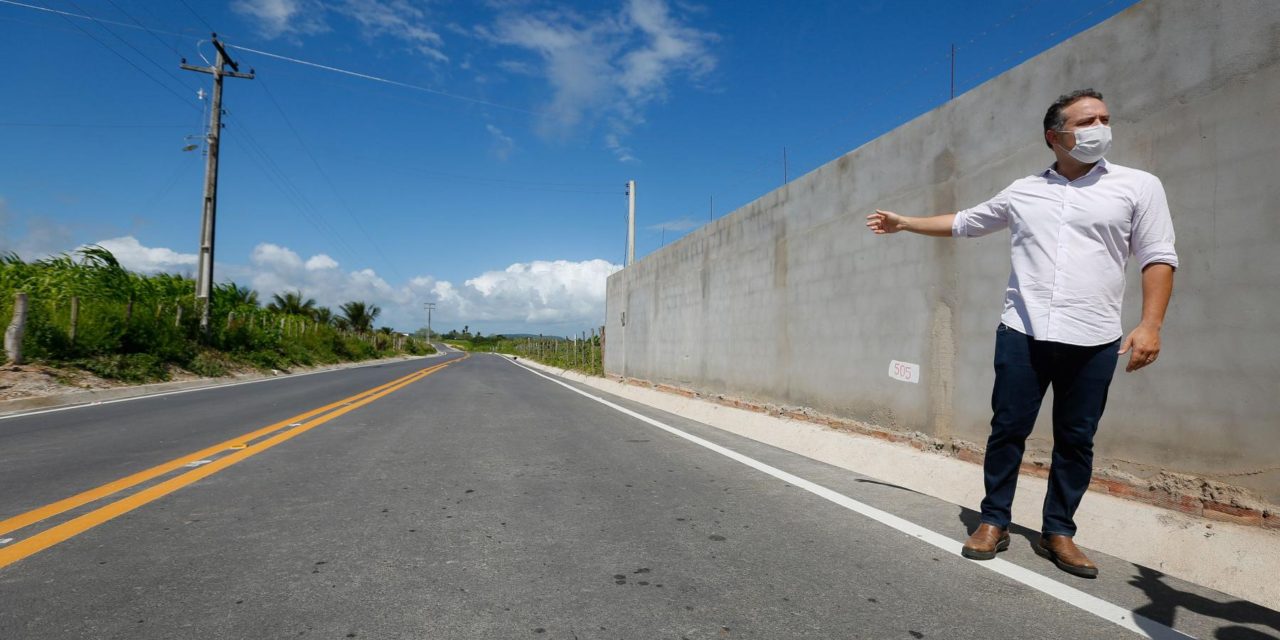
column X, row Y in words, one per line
column 988, row 217
column 1152, row 237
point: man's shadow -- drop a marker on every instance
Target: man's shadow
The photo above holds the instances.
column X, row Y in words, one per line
column 1166, row 600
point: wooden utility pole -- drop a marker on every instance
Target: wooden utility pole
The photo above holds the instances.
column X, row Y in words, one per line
column 204, row 278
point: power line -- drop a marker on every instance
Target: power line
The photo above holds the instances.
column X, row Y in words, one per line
column 296, row 60
column 137, row 51
column 153, row 34
column 89, row 125
column 342, row 201
column 397, row 83
column 295, row 196
column 127, row 60
column 198, row 17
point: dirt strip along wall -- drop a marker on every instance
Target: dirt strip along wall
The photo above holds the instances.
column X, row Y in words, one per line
column 791, row 302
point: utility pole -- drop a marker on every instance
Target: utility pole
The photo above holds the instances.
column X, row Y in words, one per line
column 204, row 279
column 430, row 306
column 953, row 71
column 631, row 222
column 784, row 166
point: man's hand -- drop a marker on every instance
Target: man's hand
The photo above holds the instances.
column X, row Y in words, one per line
column 1145, row 342
column 882, row 222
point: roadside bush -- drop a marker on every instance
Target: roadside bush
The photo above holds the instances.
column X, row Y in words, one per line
column 131, row 367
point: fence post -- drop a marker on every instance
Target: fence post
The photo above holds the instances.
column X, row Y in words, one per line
column 75, row 317
column 13, row 335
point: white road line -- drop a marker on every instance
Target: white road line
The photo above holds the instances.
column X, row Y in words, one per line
column 98, row 403
column 1113, row 613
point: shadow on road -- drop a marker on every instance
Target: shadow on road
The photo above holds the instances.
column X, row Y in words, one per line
column 1166, row 600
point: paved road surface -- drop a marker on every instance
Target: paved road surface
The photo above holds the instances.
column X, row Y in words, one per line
column 482, row 500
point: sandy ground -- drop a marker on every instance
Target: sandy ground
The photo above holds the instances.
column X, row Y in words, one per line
column 40, row 380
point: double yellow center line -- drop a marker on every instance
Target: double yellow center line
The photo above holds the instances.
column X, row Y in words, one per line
column 242, row 447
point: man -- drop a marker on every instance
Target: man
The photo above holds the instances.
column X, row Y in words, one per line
column 1073, row 227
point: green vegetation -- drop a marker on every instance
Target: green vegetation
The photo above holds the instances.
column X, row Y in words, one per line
column 138, row 327
column 582, row 354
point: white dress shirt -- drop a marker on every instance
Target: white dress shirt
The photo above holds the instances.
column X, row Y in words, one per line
column 1071, row 241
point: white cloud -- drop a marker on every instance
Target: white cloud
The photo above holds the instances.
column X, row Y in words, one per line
column 321, row 261
column 133, row 256
column 396, row 19
column 557, row 296
column 503, row 144
column 605, row 68
column 275, row 18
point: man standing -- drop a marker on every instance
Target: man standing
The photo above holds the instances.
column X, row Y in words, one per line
column 1073, row 227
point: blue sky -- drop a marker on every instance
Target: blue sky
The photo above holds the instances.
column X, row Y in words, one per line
column 493, row 183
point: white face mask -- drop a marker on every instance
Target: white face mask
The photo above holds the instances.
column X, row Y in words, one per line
column 1092, row 143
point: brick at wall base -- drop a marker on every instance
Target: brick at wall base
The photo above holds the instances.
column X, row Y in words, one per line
column 1182, row 503
column 1230, row 513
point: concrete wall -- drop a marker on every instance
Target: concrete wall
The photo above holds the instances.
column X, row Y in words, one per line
column 789, row 300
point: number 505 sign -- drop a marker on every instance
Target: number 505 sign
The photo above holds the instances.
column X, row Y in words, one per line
column 904, row 371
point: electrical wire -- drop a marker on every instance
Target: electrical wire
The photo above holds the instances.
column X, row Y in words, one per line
column 329, row 181
column 300, row 61
column 198, row 16
column 274, row 174
column 374, row 78
column 153, row 33
column 139, row 52
column 127, row 60
column 88, row 125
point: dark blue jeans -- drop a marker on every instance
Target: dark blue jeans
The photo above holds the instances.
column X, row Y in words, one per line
column 1025, row 368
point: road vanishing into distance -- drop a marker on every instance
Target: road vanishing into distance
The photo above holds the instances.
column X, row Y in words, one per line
column 472, row 497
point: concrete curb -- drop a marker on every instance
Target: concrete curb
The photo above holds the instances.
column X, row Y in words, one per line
column 1236, row 559
column 19, row 406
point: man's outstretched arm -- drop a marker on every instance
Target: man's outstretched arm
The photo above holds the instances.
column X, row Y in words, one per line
column 882, row 222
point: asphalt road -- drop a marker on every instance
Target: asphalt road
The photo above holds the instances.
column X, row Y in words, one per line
column 481, row 500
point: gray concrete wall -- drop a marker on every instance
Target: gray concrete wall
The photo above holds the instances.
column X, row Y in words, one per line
column 789, row 300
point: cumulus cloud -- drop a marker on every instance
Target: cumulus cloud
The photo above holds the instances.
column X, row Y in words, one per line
column 606, row 68
column 537, row 293
column 554, row 297
column 321, row 261
column 396, row 19
column 136, row 257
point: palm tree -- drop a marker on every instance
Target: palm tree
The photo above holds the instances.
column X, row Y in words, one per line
column 292, row 303
column 239, row 296
column 359, row 315
column 322, row 315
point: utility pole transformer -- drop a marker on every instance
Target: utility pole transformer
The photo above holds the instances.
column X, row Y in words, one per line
column 204, row 278
column 631, row 222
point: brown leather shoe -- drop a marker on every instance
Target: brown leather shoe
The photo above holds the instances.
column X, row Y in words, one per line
column 1064, row 553
column 986, row 542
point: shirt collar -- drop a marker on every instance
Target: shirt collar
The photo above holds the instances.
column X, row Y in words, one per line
column 1102, row 166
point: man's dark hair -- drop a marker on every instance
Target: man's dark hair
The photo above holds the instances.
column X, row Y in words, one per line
column 1053, row 119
